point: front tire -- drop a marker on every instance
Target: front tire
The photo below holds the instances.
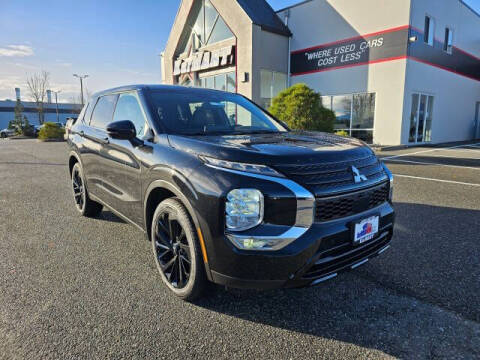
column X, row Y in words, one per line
column 83, row 203
column 177, row 251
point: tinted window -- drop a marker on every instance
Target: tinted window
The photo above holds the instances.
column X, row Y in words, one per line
column 128, row 108
column 103, row 113
column 88, row 112
column 211, row 112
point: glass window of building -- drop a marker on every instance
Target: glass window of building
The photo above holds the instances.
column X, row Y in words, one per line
column 429, row 31
column 421, row 118
column 221, row 82
column 224, row 82
column 342, row 107
column 355, row 114
column 231, row 83
column 205, row 27
column 271, row 83
column 448, row 44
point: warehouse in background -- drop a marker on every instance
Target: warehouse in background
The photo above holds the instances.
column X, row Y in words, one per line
column 394, row 72
column 65, row 110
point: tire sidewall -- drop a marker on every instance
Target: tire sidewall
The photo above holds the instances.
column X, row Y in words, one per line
column 78, row 167
column 174, row 206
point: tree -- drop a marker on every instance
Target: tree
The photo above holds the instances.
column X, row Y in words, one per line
column 18, row 119
column 37, row 86
column 301, row 108
column 20, row 122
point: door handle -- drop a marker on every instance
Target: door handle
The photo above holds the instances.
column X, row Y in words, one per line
column 105, row 140
column 81, row 133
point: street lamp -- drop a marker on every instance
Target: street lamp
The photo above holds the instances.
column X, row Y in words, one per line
column 56, row 101
column 81, row 77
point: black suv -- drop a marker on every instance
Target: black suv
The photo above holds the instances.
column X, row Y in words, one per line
column 225, row 192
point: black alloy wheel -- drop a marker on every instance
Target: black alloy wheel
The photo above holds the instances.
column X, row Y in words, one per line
column 83, row 203
column 173, row 251
column 177, row 251
column 78, row 189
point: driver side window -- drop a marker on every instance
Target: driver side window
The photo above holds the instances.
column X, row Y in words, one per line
column 128, row 108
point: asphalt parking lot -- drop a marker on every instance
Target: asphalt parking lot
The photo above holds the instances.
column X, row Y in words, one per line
column 72, row 287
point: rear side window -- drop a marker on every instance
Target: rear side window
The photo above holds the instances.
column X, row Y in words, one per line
column 81, row 116
column 103, row 113
column 88, row 112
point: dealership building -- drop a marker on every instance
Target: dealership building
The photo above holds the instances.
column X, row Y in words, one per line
column 394, row 71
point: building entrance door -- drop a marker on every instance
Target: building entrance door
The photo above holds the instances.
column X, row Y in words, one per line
column 421, row 118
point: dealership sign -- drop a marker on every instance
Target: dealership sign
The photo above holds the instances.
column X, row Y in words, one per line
column 350, row 52
column 204, row 60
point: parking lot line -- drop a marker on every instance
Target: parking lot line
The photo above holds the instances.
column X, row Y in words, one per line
column 438, row 180
column 430, row 150
column 454, row 157
column 430, row 163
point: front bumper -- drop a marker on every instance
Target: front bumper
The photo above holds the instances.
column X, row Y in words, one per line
column 324, row 251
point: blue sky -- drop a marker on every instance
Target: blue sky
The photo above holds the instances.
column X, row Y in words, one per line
column 116, row 42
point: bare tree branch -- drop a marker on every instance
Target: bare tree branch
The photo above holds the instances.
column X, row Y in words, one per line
column 37, row 87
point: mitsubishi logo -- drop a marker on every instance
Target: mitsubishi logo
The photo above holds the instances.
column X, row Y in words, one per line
column 357, row 177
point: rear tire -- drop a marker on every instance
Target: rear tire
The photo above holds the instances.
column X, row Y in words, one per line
column 177, row 251
column 83, row 203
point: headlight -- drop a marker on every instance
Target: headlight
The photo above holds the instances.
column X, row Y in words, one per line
column 243, row 209
column 250, row 168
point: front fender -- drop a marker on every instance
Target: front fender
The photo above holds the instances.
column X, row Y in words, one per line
column 183, row 191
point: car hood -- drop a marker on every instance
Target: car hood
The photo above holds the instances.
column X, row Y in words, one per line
column 295, row 147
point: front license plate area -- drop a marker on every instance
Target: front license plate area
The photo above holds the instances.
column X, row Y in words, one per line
column 365, row 230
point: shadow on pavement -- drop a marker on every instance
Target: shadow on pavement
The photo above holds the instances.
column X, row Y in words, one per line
column 433, row 258
column 107, row 215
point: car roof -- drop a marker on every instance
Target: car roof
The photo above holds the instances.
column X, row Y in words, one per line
column 155, row 87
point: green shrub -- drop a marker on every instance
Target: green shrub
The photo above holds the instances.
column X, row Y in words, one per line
column 301, row 108
column 341, row 133
column 51, row 131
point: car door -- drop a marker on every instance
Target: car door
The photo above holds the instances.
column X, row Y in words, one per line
column 104, row 170
column 129, row 108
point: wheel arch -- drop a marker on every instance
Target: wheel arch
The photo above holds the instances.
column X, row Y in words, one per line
column 160, row 190
column 73, row 158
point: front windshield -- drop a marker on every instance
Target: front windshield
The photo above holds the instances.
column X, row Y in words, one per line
column 208, row 112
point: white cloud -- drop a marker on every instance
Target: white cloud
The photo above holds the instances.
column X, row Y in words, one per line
column 16, row 50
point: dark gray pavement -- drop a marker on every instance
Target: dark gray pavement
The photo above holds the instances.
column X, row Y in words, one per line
column 80, row 288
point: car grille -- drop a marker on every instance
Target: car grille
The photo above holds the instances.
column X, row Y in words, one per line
column 343, row 256
column 331, row 208
column 335, row 177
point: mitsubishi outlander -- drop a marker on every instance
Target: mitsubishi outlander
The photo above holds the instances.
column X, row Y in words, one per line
column 225, row 192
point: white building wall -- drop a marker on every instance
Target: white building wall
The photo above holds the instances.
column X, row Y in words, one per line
column 455, row 96
column 324, row 21
column 455, row 99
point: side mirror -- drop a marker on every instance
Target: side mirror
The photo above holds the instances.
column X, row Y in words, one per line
column 122, row 130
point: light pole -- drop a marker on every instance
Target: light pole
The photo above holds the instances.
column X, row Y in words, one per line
column 56, row 101
column 81, row 77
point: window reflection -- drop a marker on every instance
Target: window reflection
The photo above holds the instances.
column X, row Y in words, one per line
column 355, row 114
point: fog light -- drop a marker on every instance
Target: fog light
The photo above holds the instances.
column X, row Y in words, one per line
column 243, row 209
column 254, row 243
